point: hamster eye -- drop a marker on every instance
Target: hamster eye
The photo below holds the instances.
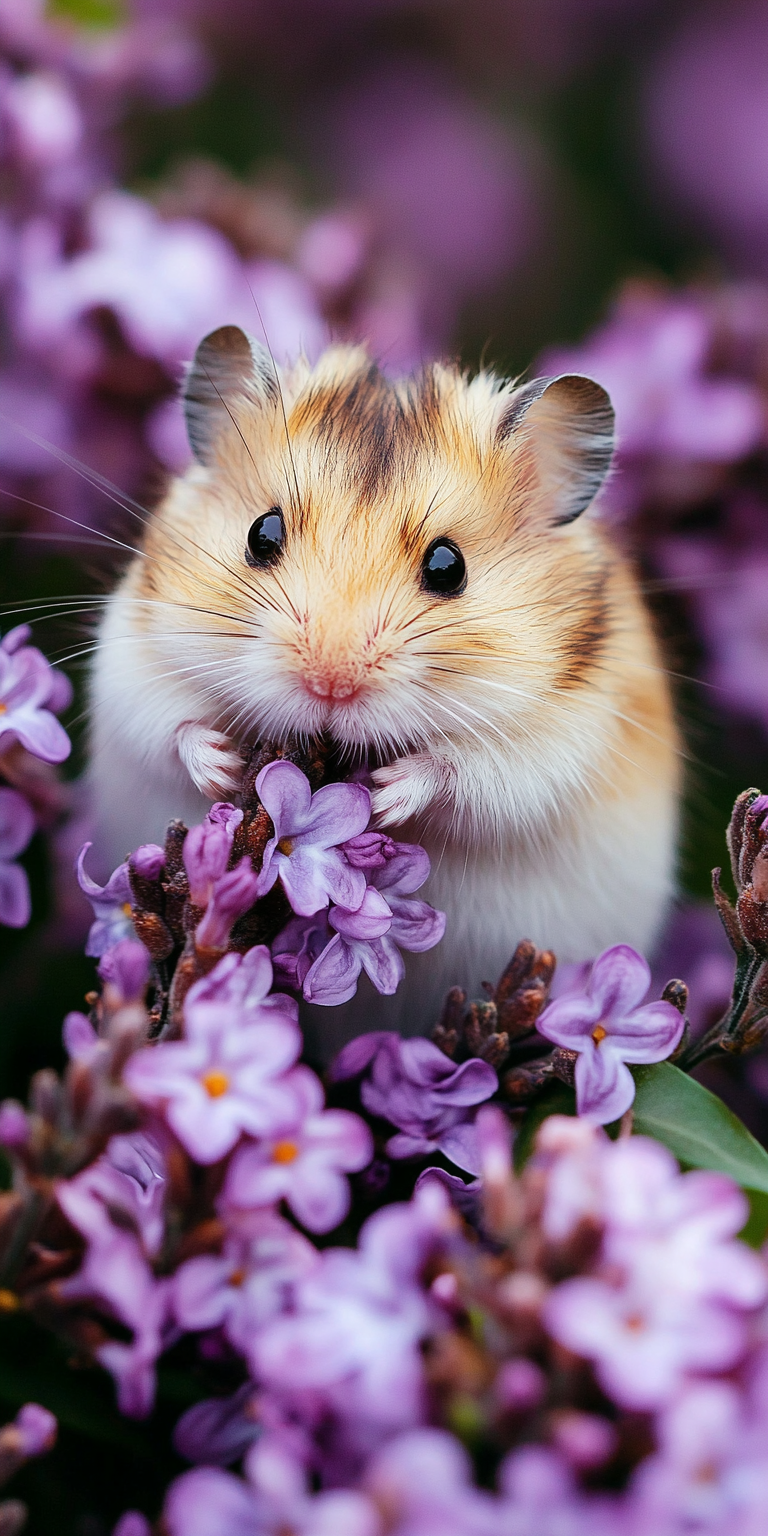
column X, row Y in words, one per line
column 443, row 568
column 266, row 538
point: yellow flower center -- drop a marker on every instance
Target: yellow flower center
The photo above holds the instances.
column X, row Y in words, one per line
column 599, row 1033
column 285, row 846
column 284, row 1152
column 635, row 1323
column 9, row 1301
column 128, row 909
column 215, row 1083
column 3, row 709
column 237, row 1277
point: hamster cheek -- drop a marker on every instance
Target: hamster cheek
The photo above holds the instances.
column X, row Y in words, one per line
column 405, row 787
column 211, row 760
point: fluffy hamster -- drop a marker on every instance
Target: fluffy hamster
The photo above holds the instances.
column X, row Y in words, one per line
column 413, row 568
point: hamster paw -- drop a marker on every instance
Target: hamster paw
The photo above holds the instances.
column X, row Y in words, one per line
column 211, row 760
column 403, row 788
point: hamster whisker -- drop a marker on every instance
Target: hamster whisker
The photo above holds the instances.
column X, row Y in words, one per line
column 108, row 538
column 281, row 398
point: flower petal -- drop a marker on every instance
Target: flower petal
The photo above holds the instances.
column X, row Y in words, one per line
column 569, row 1020
column 619, row 981
column 285, row 793
column 649, row 1033
column 337, row 813
column 333, row 976
column 605, row 1088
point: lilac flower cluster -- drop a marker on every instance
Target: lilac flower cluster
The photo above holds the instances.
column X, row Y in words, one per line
column 621, row 1340
column 32, row 693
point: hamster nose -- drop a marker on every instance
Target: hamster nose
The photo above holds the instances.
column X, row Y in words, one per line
column 330, row 686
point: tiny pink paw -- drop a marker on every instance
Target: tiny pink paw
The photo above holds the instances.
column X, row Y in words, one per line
column 211, row 760
column 402, row 789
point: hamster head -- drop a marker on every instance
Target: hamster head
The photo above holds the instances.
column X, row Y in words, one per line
column 402, row 565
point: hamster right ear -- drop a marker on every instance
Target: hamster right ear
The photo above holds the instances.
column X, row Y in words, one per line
column 569, row 422
column 227, row 364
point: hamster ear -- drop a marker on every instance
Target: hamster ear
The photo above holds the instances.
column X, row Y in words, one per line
column 227, row 364
column 570, row 423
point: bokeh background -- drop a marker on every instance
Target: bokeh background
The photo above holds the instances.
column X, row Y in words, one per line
column 579, row 183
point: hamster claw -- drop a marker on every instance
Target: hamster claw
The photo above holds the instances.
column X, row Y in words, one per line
column 402, row 789
column 211, row 760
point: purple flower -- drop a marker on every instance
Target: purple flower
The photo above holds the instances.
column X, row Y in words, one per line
column 17, row 824
column 304, row 852
column 644, row 1338
column 232, row 895
column 14, row 1124
column 111, row 906
column 132, row 1524
column 415, row 1086
column 128, row 1182
column 358, row 944
column 224, row 1078
column 218, row 1430
column 209, row 1502
column 608, row 1028
column 368, row 938
column 243, row 982
column 423, row 1480
column 125, row 968
column 116, row 1272
column 251, row 1281
column 206, row 854
column 304, row 1161
column 700, row 1478
column 297, row 946
column 36, row 1429
column 353, row 1338
column 27, row 685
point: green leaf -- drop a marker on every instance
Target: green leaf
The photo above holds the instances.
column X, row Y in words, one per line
column 696, row 1125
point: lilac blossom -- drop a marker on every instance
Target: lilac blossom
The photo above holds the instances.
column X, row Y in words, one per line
column 608, row 1028
column 252, row 1280
column 226, row 1076
column 29, row 691
column 415, row 1086
column 36, row 1428
column 209, row 1502
column 423, row 1479
column 116, row 1273
column 369, row 938
column 232, row 895
column 218, row 1430
column 304, row 852
column 124, row 968
column 304, row 1161
column 17, row 825
column 206, row 851
column 111, row 906
column 128, row 1180
column 357, row 1321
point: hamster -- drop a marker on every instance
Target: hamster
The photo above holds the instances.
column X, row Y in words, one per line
column 413, row 568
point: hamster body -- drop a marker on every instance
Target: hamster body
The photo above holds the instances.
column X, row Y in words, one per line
column 412, row 568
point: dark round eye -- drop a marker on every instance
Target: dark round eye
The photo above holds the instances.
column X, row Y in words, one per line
column 443, row 569
column 266, row 538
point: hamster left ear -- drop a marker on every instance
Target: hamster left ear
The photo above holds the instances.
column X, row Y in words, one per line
column 569, row 422
column 227, row 364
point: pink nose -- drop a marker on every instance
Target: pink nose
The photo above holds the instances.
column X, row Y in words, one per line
column 326, row 685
